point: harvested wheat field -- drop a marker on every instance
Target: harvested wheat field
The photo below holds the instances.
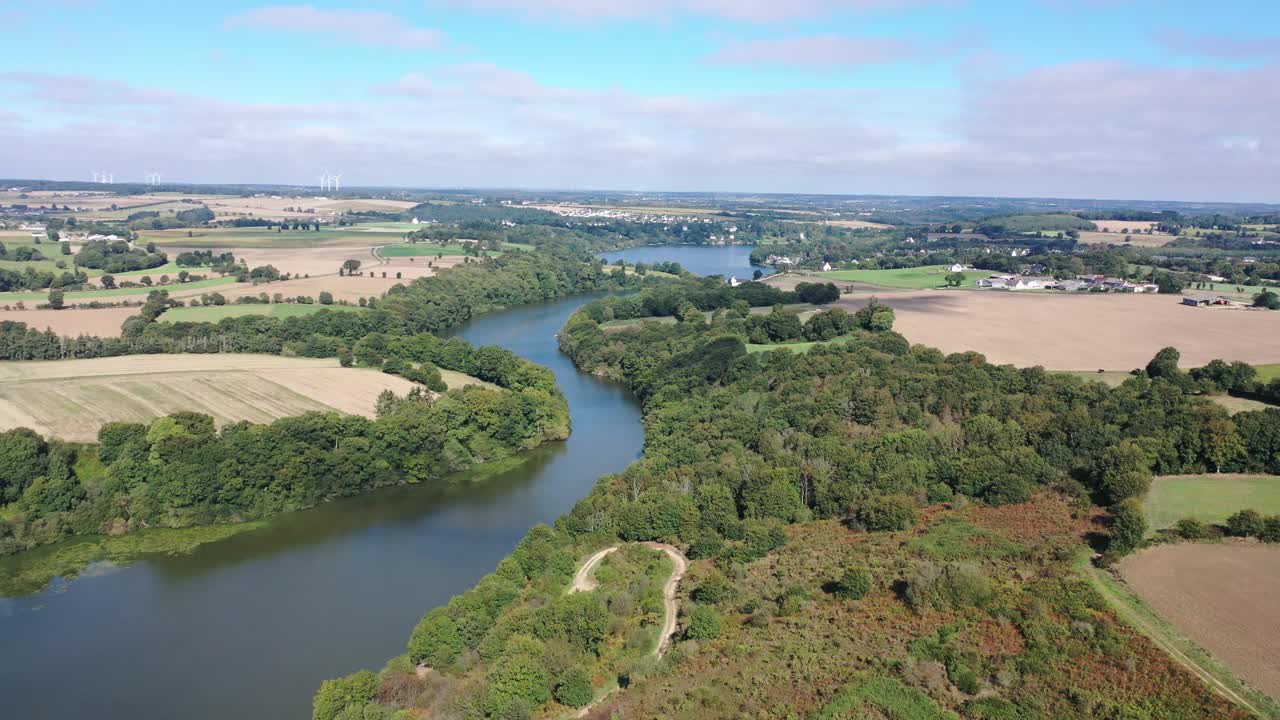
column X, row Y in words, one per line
column 1222, row 596
column 296, row 261
column 104, row 322
column 71, row 399
column 1083, row 331
column 342, row 288
column 1123, row 226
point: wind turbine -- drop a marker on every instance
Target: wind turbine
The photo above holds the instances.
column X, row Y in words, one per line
column 97, row 176
column 337, row 181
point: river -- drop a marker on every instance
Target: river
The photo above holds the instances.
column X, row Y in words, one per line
column 726, row 260
column 246, row 628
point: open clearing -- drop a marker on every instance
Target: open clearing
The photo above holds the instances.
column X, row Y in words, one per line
column 1124, row 226
column 928, row 276
column 1222, row 596
column 71, row 399
column 1209, row 498
column 1083, row 331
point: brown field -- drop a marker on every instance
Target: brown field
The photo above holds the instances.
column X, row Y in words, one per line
column 1222, row 596
column 74, row 321
column 1079, row 332
column 296, row 261
column 71, row 399
column 342, row 288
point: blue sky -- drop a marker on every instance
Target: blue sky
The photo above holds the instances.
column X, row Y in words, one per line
column 1083, row 98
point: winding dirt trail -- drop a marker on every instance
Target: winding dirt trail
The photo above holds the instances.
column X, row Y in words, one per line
column 584, row 581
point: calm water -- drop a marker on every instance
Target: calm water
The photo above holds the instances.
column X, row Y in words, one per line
column 248, row 627
column 729, row 260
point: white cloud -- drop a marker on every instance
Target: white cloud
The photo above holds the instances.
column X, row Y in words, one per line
column 815, row 50
column 1073, row 130
column 369, row 27
column 1218, row 46
column 756, row 11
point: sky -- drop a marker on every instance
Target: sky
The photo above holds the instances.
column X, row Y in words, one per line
column 1121, row 99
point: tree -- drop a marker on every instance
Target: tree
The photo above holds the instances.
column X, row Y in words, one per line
column 1168, row 284
column 435, row 641
column 1128, row 527
column 1246, row 523
column 334, row 696
column 326, row 297
column 573, row 687
column 345, row 356
column 1123, row 471
column 1165, row 364
column 23, row 458
column 955, row 279
column 1267, row 299
column 757, row 274
column 351, row 265
column 55, row 298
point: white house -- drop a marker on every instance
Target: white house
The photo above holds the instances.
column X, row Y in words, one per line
column 734, row 281
column 416, row 221
column 826, row 267
column 956, row 267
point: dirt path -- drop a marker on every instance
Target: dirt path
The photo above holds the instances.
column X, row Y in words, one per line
column 583, row 581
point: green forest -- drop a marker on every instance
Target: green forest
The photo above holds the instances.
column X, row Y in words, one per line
column 876, row 529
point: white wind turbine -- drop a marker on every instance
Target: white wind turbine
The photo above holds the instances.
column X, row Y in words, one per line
column 337, row 181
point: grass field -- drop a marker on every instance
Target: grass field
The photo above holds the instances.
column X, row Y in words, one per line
column 1209, row 498
column 71, row 399
column 425, row 250
column 214, row 313
column 140, row 292
column 917, row 278
column 232, row 238
column 1269, row 372
column 45, row 266
column 802, row 347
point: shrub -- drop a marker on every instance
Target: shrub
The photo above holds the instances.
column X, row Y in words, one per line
column 1128, row 527
column 1270, row 530
column 1246, row 523
column 1191, row 529
column 853, row 585
column 705, row 623
column 947, row 586
column 888, row 512
column 1124, row 471
column 573, row 688
column 714, row 589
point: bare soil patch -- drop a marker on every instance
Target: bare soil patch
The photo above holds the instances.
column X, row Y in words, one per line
column 74, row 321
column 72, row 399
column 1222, row 596
column 1122, row 226
column 1080, row 331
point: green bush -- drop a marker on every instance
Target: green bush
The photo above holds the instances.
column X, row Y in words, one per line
column 705, row 623
column 853, row 585
column 1246, row 523
column 334, row 696
column 1191, row 529
column 435, row 641
column 714, row 589
column 886, row 513
column 573, row 688
column 947, row 586
column 1271, row 530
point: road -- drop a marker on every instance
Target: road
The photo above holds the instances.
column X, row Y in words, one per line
column 583, row 581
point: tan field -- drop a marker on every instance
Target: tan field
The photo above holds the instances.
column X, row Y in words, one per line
column 858, row 224
column 301, row 261
column 1222, row 596
column 74, row 321
column 71, row 399
column 1119, row 226
column 1114, row 238
column 1079, row 332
